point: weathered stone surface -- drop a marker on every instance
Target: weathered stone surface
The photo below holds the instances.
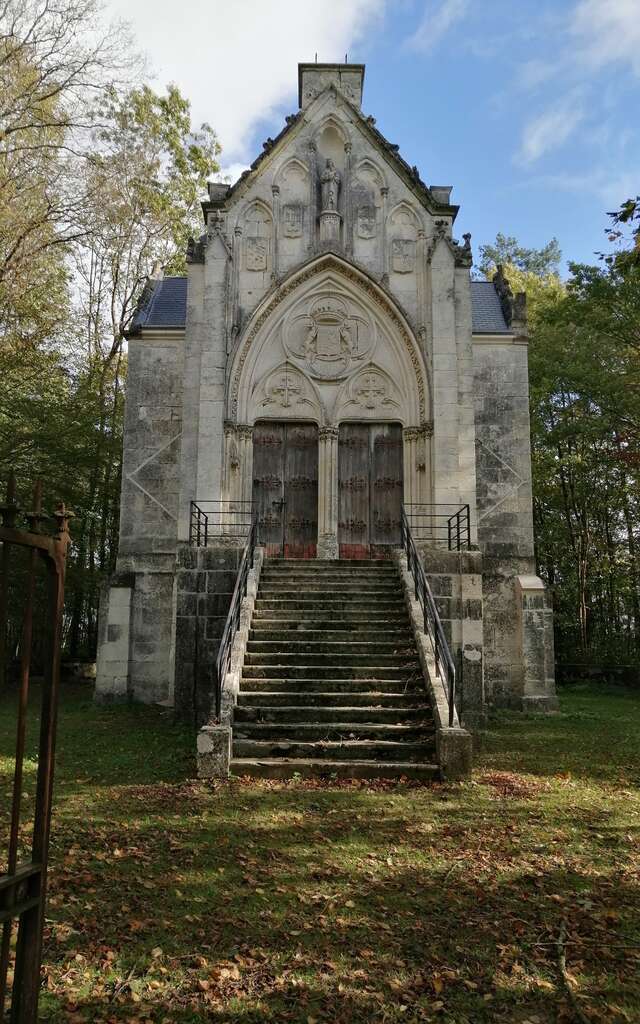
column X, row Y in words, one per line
column 327, row 288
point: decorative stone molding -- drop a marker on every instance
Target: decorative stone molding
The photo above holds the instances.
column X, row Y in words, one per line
column 350, row 274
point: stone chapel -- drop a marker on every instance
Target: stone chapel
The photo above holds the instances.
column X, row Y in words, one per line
column 326, row 360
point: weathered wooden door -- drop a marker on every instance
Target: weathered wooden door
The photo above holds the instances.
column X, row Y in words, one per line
column 370, row 487
column 285, row 488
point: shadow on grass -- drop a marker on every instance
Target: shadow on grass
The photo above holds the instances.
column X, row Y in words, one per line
column 171, row 900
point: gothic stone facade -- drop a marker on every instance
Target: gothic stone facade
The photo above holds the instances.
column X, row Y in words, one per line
column 327, row 297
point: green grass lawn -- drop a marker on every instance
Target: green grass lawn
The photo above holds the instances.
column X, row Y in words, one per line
column 175, row 900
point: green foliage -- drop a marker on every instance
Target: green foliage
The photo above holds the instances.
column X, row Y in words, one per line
column 627, row 215
column 585, row 424
column 100, row 183
column 506, row 250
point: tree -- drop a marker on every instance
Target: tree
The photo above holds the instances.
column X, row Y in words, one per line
column 506, row 250
column 149, row 168
column 628, row 214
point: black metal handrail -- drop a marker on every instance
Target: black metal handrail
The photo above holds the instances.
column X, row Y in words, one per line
column 219, row 517
column 445, row 667
column 437, row 521
column 223, row 660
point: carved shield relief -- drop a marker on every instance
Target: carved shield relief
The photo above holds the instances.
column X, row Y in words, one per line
column 292, row 218
column 403, row 255
column 366, row 221
column 257, row 253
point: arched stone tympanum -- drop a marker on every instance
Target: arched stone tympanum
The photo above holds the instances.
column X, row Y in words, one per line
column 327, row 346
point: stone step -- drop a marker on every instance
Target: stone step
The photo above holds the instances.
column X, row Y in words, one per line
column 282, row 578
column 309, row 651
column 310, row 660
column 366, row 701
column 345, row 683
column 330, row 732
column 337, row 563
column 417, row 713
column 372, row 590
column 288, row 767
column 299, row 632
column 355, row 612
column 285, row 768
column 334, row 750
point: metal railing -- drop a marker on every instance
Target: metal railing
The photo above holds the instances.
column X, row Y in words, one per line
column 23, row 886
column 218, row 518
column 223, row 660
column 445, row 667
column 439, row 523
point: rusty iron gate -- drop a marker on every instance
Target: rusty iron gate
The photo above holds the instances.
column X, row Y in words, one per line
column 23, row 885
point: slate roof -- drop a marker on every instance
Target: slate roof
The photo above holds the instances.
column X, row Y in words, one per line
column 164, row 305
column 486, row 312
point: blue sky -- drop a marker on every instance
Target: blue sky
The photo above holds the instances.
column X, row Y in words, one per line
column 529, row 109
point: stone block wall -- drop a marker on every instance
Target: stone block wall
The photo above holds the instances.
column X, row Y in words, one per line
column 205, row 580
column 455, row 578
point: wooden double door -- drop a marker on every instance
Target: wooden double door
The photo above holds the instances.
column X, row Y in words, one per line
column 285, row 488
column 370, row 486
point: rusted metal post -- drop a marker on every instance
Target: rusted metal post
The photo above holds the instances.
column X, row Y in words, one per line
column 9, row 511
column 23, row 697
column 26, row 984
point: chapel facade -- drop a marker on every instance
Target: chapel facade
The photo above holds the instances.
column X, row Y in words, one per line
column 327, row 359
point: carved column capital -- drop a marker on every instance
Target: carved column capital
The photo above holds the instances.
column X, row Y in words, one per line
column 427, row 429
column 411, row 433
column 245, row 430
column 275, row 189
column 328, row 433
column 229, row 428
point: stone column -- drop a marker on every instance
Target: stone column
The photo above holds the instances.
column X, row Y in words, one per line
column 409, row 449
column 231, row 463
column 313, row 202
column 422, row 288
column 245, row 458
column 275, row 273
column 425, row 461
column 384, row 192
column 328, row 492
column 346, row 201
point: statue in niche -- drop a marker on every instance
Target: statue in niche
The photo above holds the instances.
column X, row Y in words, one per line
column 330, row 183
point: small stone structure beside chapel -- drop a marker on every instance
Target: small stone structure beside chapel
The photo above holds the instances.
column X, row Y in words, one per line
column 326, row 358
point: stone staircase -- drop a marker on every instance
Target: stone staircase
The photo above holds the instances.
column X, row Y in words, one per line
column 331, row 683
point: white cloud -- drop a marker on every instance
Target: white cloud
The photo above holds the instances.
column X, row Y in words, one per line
column 437, row 19
column 237, row 62
column 230, row 172
column 611, row 187
column 535, row 72
column 607, row 32
column 550, row 129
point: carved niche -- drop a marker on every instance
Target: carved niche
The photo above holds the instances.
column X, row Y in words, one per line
column 257, row 240
column 403, row 231
column 328, row 337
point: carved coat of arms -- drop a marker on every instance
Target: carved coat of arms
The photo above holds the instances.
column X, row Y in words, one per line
column 366, row 221
column 292, row 220
column 403, row 255
column 256, row 253
column 328, row 339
